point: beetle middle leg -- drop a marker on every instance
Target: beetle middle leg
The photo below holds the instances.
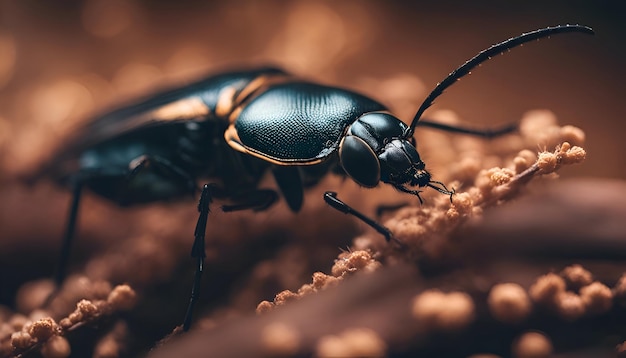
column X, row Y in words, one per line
column 256, row 200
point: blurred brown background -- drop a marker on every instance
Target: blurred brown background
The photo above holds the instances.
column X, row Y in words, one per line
column 62, row 60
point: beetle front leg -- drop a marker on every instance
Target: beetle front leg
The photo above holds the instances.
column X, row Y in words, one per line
column 198, row 251
column 331, row 199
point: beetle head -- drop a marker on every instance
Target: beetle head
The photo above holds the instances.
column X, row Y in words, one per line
column 375, row 149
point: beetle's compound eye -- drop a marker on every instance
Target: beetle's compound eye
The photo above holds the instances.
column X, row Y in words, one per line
column 359, row 161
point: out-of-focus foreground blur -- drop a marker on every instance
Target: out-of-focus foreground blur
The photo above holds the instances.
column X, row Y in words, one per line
column 61, row 61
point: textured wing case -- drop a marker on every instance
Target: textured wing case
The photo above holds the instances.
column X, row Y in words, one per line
column 299, row 122
column 196, row 101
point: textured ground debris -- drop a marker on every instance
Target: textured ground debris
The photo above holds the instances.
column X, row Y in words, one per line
column 38, row 331
column 393, row 308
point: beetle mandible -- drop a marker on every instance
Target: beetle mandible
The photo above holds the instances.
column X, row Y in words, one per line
column 234, row 127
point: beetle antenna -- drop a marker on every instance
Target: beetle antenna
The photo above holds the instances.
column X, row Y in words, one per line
column 485, row 55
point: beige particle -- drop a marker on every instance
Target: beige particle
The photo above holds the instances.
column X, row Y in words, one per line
column 509, row 303
column 532, row 345
column 279, row 339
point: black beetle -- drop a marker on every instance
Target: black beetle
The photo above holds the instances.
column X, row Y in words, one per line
column 233, row 127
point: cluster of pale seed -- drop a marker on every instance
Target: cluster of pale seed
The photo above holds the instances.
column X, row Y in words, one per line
column 530, row 344
column 354, row 342
column 572, row 294
column 20, row 334
column 282, row 340
column 347, row 263
column 279, row 339
column 569, row 295
column 438, row 311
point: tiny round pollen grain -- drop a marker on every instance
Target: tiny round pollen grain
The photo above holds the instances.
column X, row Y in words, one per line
column 87, row 309
column 264, row 307
column 524, row 159
column 426, row 306
column 597, row 298
column 106, row 348
column 546, row 289
column 547, row 162
column 284, row 297
column 573, row 134
column 122, row 297
column 355, row 342
column 532, row 345
column 443, row 311
column 320, row 280
column 359, row 260
column 21, row 340
column 32, row 295
column 501, row 176
column 18, row 321
column 56, row 347
column 459, row 312
column 572, row 155
column 576, row 276
column 43, row 329
column 570, row 306
column 308, row 289
column 509, row 303
column 280, row 340
column 619, row 291
column 462, row 202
